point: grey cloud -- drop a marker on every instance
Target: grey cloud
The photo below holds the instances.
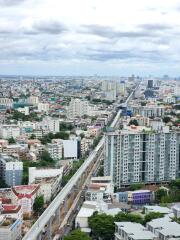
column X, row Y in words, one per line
column 9, row 3
column 108, row 32
column 104, row 55
column 155, row 27
column 49, row 27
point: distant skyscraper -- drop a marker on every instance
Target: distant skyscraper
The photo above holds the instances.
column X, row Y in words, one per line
column 150, row 84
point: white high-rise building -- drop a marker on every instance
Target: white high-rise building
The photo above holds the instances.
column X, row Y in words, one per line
column 43, row 107
column 141, row 155
column 33, row 100
column 78, row 108
column 8, row 131
column 11, row 170
column 55, row 150
column 49, row 125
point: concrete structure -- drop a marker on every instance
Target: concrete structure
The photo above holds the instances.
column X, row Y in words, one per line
column 156, row 208
column 24, row 110
column 176, row 210
column 6, row 103
column 55, row 150
column 10, row 228
column 24, row 196
column 53, row 210
column 135, row 197
column 149, row 110
column 71, row 148
column 150, row 83
column 43, row 107
column 11, row 170
column 164, row 228
column 77, row 108
column 138, row 154
column 33, row 100
column 9, row 131
column 11, row 211
column 50, row 125
column 87, row 210
column 132, row 231
column 100, row 189
column 49, row 180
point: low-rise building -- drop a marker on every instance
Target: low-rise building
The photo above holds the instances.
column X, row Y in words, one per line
column 48, row 179
column 100, row 189
column 164, row 228
column 156, row 208
column 132, row 231
column 87, row 210
column 24, row 196
column 10, row 228
column 176, row 210
column 9, row 131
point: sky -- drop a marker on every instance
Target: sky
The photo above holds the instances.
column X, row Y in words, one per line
column 87, row 37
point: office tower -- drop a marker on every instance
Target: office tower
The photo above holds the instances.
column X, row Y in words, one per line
column 150, row 84
column 139, row 154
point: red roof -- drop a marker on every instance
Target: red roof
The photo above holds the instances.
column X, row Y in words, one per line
column 96, row 185
column 25, row 191
column 9, row 208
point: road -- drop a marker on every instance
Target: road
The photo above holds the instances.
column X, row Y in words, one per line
column 43, row 220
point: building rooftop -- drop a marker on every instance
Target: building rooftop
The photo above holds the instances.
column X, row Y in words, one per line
column 160, row 209
column 25, row 190
column 7, row 158
column 10, row 208
column 166, row 226
column 136, row 230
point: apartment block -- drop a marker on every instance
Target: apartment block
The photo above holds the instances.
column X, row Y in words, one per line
column 139, row 154
column 11, row 170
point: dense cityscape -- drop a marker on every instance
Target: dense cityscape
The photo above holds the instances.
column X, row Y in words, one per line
column 89, row 120
column 89, row 157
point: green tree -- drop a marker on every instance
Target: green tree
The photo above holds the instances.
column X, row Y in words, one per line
column 11, row 140
column 166, row 119
column 133, row 122
column 82, row 135
column 160, row 193
column 3, row 184
column 136, row 186
column 102, row 226
column 38, row 205
column 62, row 135
column 152, row 215
column 33, row 136
column 77, row 235
column 128, row 217
column 45, row 156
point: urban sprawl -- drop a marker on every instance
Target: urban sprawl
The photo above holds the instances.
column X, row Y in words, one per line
column 89, row 158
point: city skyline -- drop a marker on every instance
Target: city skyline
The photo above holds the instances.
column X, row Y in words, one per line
column 88, row 37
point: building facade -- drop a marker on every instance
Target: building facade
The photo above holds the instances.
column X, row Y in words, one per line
column 133, row 156
column 11, row 170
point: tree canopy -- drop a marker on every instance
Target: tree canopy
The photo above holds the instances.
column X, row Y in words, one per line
column 77, row 235
column 102, row 226
column 38, row 205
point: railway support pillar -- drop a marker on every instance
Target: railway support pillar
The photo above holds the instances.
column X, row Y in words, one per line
column 49, row 230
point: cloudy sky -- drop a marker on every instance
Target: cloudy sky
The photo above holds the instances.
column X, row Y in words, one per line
column 107, row 37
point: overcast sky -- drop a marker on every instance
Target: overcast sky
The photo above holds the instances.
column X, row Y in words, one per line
column 107, row 37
